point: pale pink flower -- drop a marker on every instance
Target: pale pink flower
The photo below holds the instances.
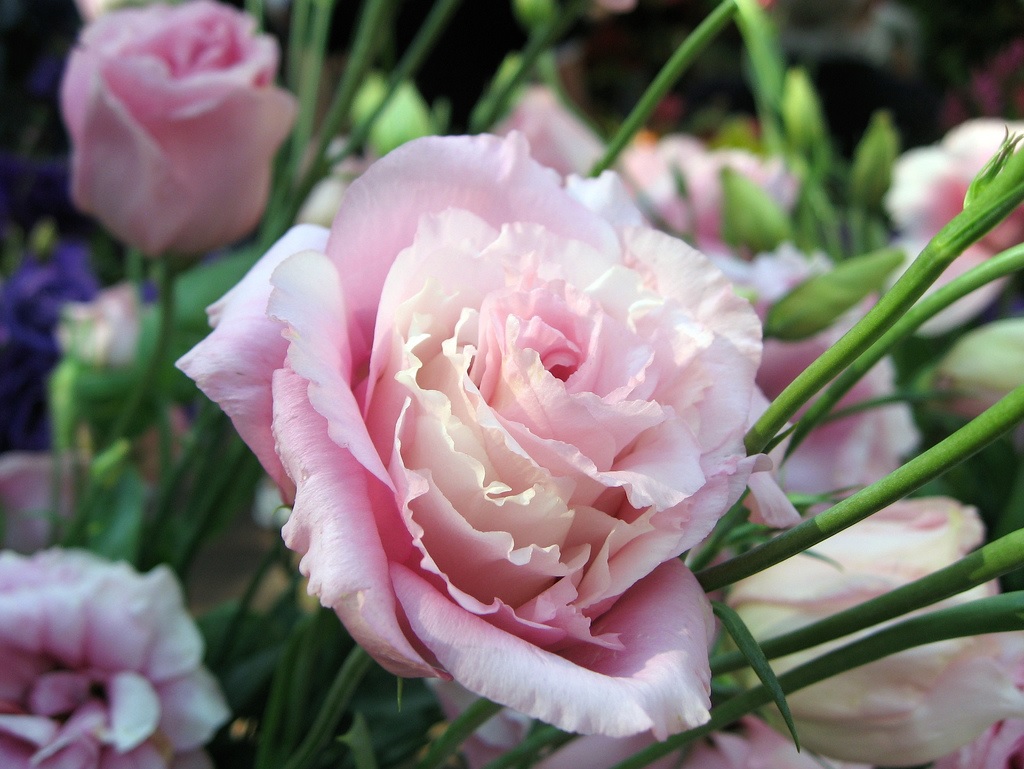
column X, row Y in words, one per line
column 558, row 138
column 908, row 708
column 1002, row 746
column 503, row 408
column 27, row 506
column 677, row 180
column 105, row 331
column 100, row 666
column 174, row 119
column 755, row 745
column 928, row 189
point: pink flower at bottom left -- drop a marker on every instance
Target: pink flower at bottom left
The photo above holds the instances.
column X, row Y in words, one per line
column 100, row 667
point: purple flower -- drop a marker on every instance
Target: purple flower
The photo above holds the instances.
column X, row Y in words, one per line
column 30, row 304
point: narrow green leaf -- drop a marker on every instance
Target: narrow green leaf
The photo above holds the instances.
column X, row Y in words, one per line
column 758, row 662
column 360, row 742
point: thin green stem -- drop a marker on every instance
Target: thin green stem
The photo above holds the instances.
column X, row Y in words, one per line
column 674, row 68
column 983, row 565
column 495, row 101
column 996, row 614
column 965, row 229
column 366, row 42
column 966, row 441
column 157, row 358
column 311, row 62
column 996, row 267
column 333, row 709
column 426, row 37
column 457, row 732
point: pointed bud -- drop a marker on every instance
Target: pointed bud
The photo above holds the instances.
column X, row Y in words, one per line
column 534, row 13
column 802, row 117
column 750, row 218
column 987, row 175
column 817, row 303
column 873, row 160
column 983, row 366
column 406, row 117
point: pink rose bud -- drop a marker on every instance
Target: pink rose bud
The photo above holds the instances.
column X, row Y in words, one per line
column 503, row 408
column 100, row 666
column 174, row 119
column 105, row 331
column 908, row 708
column 983, row 366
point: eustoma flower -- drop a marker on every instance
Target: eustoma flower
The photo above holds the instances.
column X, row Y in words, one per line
column 503, row 408
column 100, row 666
column 174, row 119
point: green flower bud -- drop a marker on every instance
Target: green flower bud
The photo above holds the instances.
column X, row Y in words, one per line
column 873, row 159
column 818, row 302
column 534, row 13
column 992, row 168
column 802, row 117
column 406, row 117
column 750, row 218
column 64, row 414
column 983, row 366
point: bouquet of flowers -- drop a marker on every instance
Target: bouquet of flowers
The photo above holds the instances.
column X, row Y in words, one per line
column 592, row 441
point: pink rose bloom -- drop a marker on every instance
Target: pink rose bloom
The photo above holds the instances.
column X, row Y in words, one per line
column 174, row 119
column 678, row 181
column 26, row 499
column 557, row 137
column 911, row 707
column 928, row 189
column 755, row 745
column 856, row 450
column 100, row 666
column 503, row 408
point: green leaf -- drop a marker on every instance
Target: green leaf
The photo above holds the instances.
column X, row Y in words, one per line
column 758, row 662
column 359, row 741
column 815, row 304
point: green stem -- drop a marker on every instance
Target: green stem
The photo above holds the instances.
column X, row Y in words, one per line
column 333, row 709
column 366, row 43
column 674, row 68
column 457, row 732
column 495, row 101
column 145, row 386
column 312, row 64
column 966, row 441
column 965, row 229
column 983, row 565
column 996, row 614
column 426, row 37
column 996, row 267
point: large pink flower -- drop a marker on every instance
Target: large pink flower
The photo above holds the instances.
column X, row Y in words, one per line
column 174, row 119
column 504, row 409
column 100, row 666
